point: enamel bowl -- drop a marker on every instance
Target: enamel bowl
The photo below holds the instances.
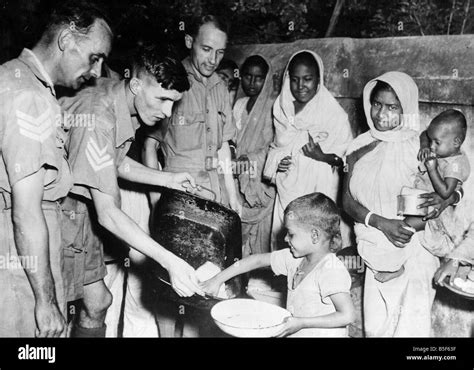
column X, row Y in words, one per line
column 248, row 318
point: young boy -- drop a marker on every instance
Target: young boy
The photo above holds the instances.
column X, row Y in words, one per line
column 318, row 282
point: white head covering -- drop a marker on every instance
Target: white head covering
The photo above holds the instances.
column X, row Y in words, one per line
column 379, row 175
column 322, row 117
column 393, row 163
column 407, row 93
column 321, row 114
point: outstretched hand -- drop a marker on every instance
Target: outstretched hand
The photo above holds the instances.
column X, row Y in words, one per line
column 211, row 286
column 183, row 278
column 313, row 150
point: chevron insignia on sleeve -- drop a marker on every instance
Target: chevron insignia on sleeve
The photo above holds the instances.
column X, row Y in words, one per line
column 36, row 128
column 97, row 157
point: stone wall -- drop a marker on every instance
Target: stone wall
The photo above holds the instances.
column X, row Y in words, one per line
column 442, row 66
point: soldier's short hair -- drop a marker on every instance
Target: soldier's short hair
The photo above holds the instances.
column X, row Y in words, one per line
column 169, row 72
column 196, row 23
column 79, row 15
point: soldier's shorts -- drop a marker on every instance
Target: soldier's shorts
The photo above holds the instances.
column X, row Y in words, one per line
column 82, row 247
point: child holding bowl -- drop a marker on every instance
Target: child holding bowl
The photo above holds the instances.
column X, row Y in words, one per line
column 318, row 282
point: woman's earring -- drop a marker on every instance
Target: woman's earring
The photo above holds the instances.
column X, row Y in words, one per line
column 314, row 236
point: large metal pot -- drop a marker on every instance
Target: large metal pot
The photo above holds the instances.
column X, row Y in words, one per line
column 197, row 230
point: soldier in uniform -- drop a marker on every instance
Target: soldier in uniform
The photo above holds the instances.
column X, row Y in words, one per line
column 195, row 138
column 34, row 175
column 97, row 155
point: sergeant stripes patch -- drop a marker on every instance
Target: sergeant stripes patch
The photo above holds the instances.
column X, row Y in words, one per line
column 35, row 128
column 97, row 157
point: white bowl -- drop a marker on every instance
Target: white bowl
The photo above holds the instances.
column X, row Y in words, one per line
column 248, row 318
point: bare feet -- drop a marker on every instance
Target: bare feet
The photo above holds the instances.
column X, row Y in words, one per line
column 385, row 276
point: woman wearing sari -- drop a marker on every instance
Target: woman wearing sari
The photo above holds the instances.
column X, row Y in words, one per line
column 253, row 117
column 312, row 133
column 382, row 161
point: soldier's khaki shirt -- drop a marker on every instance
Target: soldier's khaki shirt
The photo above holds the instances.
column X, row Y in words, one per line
column 100, row 136
column 200, row 123
column 31, row 133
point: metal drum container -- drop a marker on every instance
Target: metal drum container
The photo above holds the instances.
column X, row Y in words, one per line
column 197, row 230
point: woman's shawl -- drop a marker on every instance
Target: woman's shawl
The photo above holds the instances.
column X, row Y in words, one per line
column 253, row 138
column 379, row 175
column 328, row 124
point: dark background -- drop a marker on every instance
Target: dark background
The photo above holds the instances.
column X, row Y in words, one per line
column 252, row 21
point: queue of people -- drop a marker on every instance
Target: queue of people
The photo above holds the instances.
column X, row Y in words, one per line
column 274, row 154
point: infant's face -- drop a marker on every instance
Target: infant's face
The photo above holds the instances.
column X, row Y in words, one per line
column 442, row 141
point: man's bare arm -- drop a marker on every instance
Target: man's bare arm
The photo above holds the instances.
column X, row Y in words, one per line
column 134, row 171
column 112, row 218
column 150, row 159
column 150, row 153
column 32, row 240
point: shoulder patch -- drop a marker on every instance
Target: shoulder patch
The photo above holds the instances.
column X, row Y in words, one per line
column 36, row 128
column 98, row 157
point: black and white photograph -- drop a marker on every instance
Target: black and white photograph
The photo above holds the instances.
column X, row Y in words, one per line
column 209, row 170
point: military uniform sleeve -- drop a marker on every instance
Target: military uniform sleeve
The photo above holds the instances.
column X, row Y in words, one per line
column 29, row 140
column 91, row 154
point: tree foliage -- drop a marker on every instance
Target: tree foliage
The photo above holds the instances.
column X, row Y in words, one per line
column 252, row 21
